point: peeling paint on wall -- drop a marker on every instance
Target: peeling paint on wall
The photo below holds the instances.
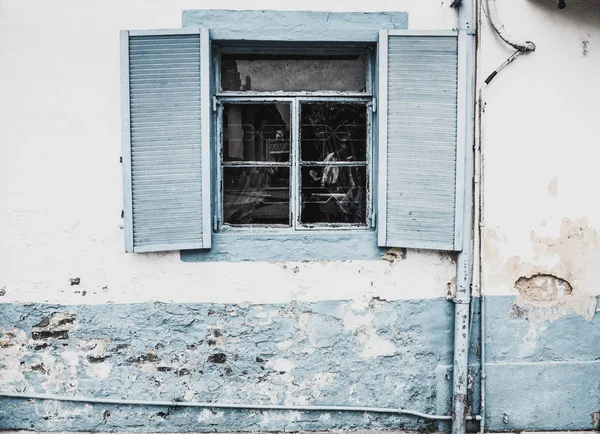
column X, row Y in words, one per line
column 55, row 326
column 394, row 254
column 543, row 288
column 562, row 271
column 542, row 298
column 372, row 353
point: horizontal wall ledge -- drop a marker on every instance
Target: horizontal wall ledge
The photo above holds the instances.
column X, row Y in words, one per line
column 269, row 25
column 297, row 246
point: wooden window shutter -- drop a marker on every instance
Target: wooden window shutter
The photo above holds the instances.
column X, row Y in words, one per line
column 421, row 157
column 166, row 139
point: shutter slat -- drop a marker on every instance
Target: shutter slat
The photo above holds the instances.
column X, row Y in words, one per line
column 151, row 220
column 168, row 128
column 419, row 142
column 167, row 164
column 159, row 117
column 157, row 147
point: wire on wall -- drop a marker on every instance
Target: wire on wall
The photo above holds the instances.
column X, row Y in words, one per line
column 501, row 30
column 521, row 47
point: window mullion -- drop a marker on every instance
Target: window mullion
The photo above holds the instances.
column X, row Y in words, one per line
column 217, row 69
column 369, row 73
column 219, row 160
column 295, row 164
column 370, row 166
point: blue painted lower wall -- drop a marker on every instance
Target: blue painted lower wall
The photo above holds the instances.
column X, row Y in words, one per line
column 543, row 372
column 383, row 354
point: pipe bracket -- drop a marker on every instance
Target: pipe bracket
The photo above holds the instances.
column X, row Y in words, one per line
column 458, row 300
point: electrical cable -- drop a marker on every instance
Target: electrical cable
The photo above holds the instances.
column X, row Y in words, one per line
column 507, row 62
column 501, row 30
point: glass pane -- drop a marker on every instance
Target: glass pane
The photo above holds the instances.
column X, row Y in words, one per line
column 334, row 194
column 333, row 132
column 256, row 195
column 293, row 73
column 256, row 132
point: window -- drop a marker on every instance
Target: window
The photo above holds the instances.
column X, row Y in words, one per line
column 309, row 138
column 294, row 141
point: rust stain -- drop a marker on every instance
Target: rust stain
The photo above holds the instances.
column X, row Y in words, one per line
column 553, row 187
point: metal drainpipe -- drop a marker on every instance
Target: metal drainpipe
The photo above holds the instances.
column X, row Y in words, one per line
column 467, row 30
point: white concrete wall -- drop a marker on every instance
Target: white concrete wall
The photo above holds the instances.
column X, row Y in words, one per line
column 540, row 137
column 61, row 198
column 61, row 191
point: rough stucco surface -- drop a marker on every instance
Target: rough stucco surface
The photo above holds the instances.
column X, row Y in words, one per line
column 546, row 338
column 331, row 353
column 380, row 353
column 62, row 191
column 538, row 130
column 543, row 370
column 295, row 26
column 351, row 245
column 558, row 270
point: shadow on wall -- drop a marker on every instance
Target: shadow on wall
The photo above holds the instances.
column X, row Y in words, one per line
column 577, row 12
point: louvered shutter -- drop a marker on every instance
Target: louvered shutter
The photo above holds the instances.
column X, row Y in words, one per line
column 420, row 159
column 166, row 141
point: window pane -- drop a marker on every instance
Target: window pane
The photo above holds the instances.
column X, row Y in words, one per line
column 293, row 73
column 334, row 194
column 256, row 132
column 256, row 195
column 333, row 131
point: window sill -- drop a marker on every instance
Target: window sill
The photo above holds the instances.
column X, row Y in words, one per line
column 314, row 246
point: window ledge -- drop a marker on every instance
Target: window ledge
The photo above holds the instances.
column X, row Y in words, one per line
column 314, row 246
column 269, row 25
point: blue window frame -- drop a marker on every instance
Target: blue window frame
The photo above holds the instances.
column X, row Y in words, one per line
column 174, row 109
column 328, row 116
